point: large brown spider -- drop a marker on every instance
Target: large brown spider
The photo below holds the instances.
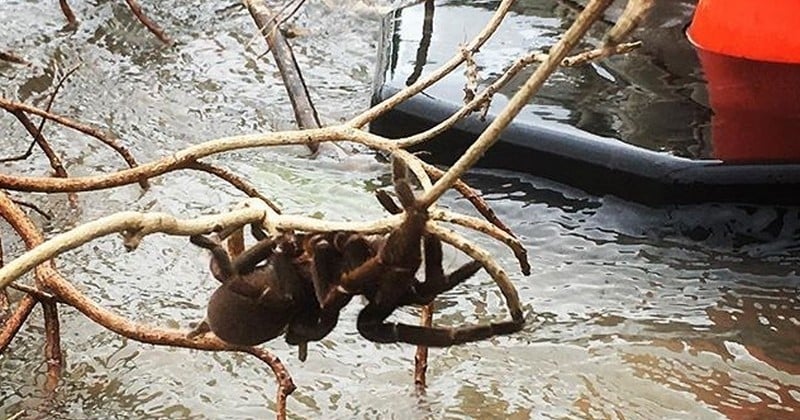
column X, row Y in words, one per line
column 305, row 280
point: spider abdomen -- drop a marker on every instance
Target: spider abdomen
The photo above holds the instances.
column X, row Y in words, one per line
column 241, row 320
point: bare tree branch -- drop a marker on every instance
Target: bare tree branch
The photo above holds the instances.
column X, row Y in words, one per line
column 111, row 141
column 304, row 111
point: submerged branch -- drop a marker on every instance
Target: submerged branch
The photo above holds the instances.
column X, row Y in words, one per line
column 148, row 23
column 12, row 57
column 72, row 21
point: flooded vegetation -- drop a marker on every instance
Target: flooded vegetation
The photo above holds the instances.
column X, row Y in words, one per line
column 633, row 312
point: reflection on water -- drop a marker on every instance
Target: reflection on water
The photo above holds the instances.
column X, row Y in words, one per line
column 756, row 108
column 634, row 312
column 653, row 98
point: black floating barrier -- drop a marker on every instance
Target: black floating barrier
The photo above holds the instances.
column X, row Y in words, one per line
column 595, row 164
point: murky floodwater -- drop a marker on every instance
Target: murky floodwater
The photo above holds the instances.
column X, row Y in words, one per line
column 685, row 312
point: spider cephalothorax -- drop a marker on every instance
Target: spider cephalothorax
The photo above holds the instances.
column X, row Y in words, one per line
column 298, row 283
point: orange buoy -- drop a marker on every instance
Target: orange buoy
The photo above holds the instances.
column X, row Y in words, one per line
column 758, row 30
column 750, row 54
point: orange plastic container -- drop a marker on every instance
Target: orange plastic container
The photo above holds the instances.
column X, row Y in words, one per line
column 750, row 53
column 766, row 30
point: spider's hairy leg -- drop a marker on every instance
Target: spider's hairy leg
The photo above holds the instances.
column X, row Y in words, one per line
column 360, row 260
column 247, row 260
column 372, row 326
column 310, row 325
column 324, row 264
column 348, row 277
column 221, row 266
column 331, row 255
column 399, row 169
column 405, row 194
column 436, row 282
column 257, row 232
column 201, row 328
column 288, row 290
column 402, row 185
column 388, row 202
column 356, row 249
column 433, row 259
column 325, row 270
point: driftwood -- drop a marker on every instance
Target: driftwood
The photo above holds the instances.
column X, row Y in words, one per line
column 51, row 289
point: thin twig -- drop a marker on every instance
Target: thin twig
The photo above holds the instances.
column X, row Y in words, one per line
column 13, row 323
column 421, row 356
column 84, row 128
column 594, row 54
column 600, row 53
column 148, row 23
column 13, row 58
column 33, row 207
column 635, row 11
column 418, row 86
column 38, row 294
column 470, row 74
column 50, row 101
column 55, row 161
column 52, row 157
column 240, row 183
column 472, row 196
column 487, row 228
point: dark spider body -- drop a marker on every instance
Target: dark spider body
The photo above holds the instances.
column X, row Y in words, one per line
column 256, row 302
column 300, row 283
